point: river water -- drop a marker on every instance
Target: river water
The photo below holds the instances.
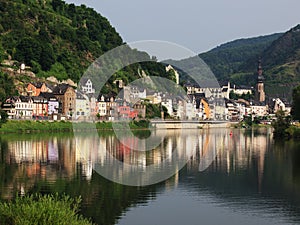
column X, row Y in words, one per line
column 229, row 176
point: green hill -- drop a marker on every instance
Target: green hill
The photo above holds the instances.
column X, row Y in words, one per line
column 61, row 40
column 280, row 53
column 53, row 35
column 227, row 58
column 281, row 62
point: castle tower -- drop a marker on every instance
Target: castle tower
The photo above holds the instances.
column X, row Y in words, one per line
column 260, row 92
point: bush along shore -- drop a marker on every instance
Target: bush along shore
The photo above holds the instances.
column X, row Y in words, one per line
column 42, row 209
column 30, row 126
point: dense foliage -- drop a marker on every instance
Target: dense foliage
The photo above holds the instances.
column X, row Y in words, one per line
column 235, row 96
column 62, row 40
column 280, row 53
column 38, row 209
column 154, row 110
column 53, row 35
column 227, row 59
column 296, row 103
column 281, row 124
column 7, row 87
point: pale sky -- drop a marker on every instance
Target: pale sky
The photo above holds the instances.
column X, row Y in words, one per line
column 198, row 25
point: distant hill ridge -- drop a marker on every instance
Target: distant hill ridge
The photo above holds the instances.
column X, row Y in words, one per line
column 236, row 61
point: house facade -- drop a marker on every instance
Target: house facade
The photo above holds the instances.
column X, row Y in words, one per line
column 67, row 96
column 34, row 89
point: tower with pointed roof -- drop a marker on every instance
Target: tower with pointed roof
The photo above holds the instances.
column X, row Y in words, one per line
column 260, row 92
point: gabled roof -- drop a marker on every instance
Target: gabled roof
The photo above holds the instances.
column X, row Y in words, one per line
column 257, row 103
column 37, row 84
column 80, row 95
column 47, row 95
column 25, row 98
column 39, row 99
column 61, row 89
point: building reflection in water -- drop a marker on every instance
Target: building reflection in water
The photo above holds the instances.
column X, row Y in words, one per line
column 57, row 157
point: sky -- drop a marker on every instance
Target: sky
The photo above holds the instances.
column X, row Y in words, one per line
column 198, row 25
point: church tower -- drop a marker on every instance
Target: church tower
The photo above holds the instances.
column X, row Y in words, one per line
column 260, row 92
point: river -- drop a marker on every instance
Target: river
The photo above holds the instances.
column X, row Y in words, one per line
column 205, row 176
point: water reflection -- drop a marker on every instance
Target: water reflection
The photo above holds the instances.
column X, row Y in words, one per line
column 243, row 169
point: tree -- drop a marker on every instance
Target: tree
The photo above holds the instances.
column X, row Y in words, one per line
column 3, row 117
column 296, row 103
column 2, row 52
column 281, row 123
column 7, row 87
column 57, row 5
column 98, row 116
column 28, row 49
column 47, row 57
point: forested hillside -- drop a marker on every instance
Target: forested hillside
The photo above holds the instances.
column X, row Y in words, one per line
column 281, row 62
column 227, row 58
column 280, row 54
column 53, row 37
column 61, row 40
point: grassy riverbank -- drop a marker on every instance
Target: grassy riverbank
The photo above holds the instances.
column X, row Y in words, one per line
column 293, row 132
column 39, row 209
column 29, row 126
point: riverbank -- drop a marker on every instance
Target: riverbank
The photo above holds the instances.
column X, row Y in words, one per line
column 29, row 126
column 293, row 132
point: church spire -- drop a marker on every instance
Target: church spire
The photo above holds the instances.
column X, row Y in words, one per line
column 260, row 77
column 260, row 92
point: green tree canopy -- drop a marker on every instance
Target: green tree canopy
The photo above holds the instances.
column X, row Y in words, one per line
column 7, row 87
column 296, row 103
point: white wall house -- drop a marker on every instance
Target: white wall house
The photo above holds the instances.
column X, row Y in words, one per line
column 24, row 107
column 102, row 108
column 87, row 87
column 82, row 109
column 168, row 103
column 259, row 110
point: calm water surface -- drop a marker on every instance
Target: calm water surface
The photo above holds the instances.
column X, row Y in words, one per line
column 244, row 178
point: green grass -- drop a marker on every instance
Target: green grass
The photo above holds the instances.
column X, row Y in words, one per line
column 39, row 209
column 30, row 126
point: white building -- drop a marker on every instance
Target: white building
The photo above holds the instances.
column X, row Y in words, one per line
column 168, row 68
column 93, row 105
column 82, row 109
column 24, row 107
column 133, row 94
column 102, row 107
column 168, row 103
column 87, row 86
column 280, row 105
column 259, row 110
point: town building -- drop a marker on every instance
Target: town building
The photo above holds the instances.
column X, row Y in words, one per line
column 9, row 107
column 125, row 112
column 24, row 107
column 54, row 106
column 40, row 107
column 282, row 105
column 34, row 89
column 259, row 110
column 67, row 96
column 82, row 109
column 87, row 86
column 102, row 108
column 170, row 68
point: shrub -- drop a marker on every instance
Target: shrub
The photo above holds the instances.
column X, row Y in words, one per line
column 42, row 209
